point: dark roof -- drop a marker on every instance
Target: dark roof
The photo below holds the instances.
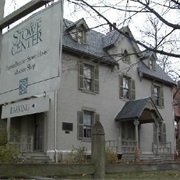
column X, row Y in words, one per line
column 158, row 73
column 132, row 109
column 96, row 48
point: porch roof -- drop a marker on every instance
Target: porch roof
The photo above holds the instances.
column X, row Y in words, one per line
column 137, row 108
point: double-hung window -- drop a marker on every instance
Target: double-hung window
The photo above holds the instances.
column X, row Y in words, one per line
column 88, row 77
column 86, row 120
column 157, row 95
column 127, row 87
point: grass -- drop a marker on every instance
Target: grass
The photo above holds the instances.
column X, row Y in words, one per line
column 150, row 175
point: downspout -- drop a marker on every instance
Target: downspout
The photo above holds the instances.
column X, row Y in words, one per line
column 55, row 125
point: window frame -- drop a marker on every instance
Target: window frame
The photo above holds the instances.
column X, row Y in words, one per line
column 161, row 133
column 94, row 89
column 81, row 35
column 157, row 97
column 131, row 88
column 82, row 127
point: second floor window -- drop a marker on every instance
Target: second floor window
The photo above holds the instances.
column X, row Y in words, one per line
column 157, row 95
column 127, row 87
column 88, row 77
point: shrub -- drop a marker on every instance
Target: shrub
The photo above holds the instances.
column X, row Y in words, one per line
column 110, row 156
column 79, row 154
column 8, row 152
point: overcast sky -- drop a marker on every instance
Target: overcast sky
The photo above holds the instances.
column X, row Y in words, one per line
column 71, row 13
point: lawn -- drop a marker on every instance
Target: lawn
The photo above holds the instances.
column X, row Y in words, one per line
column 165, row 175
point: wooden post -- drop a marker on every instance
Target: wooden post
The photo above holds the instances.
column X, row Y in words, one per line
column 98, row 150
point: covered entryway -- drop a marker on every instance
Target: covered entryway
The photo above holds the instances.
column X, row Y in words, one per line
column 141, row 127
column 27, row 132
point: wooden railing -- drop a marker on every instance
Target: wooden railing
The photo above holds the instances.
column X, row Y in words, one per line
column 164, row 148
column 23, row 143
column 128, row 146
column 123, row 146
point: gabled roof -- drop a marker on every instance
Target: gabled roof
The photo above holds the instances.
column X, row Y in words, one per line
column 157, row 74
column 93, row 47
column 134, row 109
column 97, row 45
column 78, row 23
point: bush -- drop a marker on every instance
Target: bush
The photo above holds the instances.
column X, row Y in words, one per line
column 8, row 151
column 79, row 154
column 110, row 156
column 3, row 135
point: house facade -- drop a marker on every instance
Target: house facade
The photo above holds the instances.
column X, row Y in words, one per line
column 104, row 78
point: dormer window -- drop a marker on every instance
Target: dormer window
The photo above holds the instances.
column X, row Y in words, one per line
column 78, row 31
column 81, row 35
column 151, row 64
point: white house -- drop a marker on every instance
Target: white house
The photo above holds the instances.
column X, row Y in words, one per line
column 105, row 78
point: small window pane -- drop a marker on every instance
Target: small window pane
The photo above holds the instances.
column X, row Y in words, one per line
column 88, row 77
column 88, row 122
column 126, row 87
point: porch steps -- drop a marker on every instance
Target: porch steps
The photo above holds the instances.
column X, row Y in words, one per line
column 39, row 157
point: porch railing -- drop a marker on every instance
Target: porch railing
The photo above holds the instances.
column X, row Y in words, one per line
column 128, row 146
column 23, row 143
column 123, row 146
column 164, row 148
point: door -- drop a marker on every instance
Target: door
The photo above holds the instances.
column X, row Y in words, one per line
column 38, row 132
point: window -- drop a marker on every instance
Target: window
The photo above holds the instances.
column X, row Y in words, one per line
column 127, row 87
column 126, row 57
column 88, row 78
column 151, row 64
column 81, row 35
column 86, row 120
column 128, row 130
column 158, row 95
column 161, row 133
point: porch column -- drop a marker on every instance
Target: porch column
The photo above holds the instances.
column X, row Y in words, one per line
column 157, row 137
column 136, row 123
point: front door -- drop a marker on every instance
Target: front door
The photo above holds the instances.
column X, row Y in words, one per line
column 38, row 132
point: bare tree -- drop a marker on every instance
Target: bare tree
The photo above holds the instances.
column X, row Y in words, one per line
column 131, row 9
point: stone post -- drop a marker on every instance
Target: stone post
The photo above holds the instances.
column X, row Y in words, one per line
column 98, row 150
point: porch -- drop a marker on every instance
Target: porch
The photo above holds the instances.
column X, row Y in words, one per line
column 128, row 148
column 27, row 144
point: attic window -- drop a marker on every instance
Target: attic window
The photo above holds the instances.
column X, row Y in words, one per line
column 127, row 34
column 151, row 64
column 126, row 57
column 81, row 35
